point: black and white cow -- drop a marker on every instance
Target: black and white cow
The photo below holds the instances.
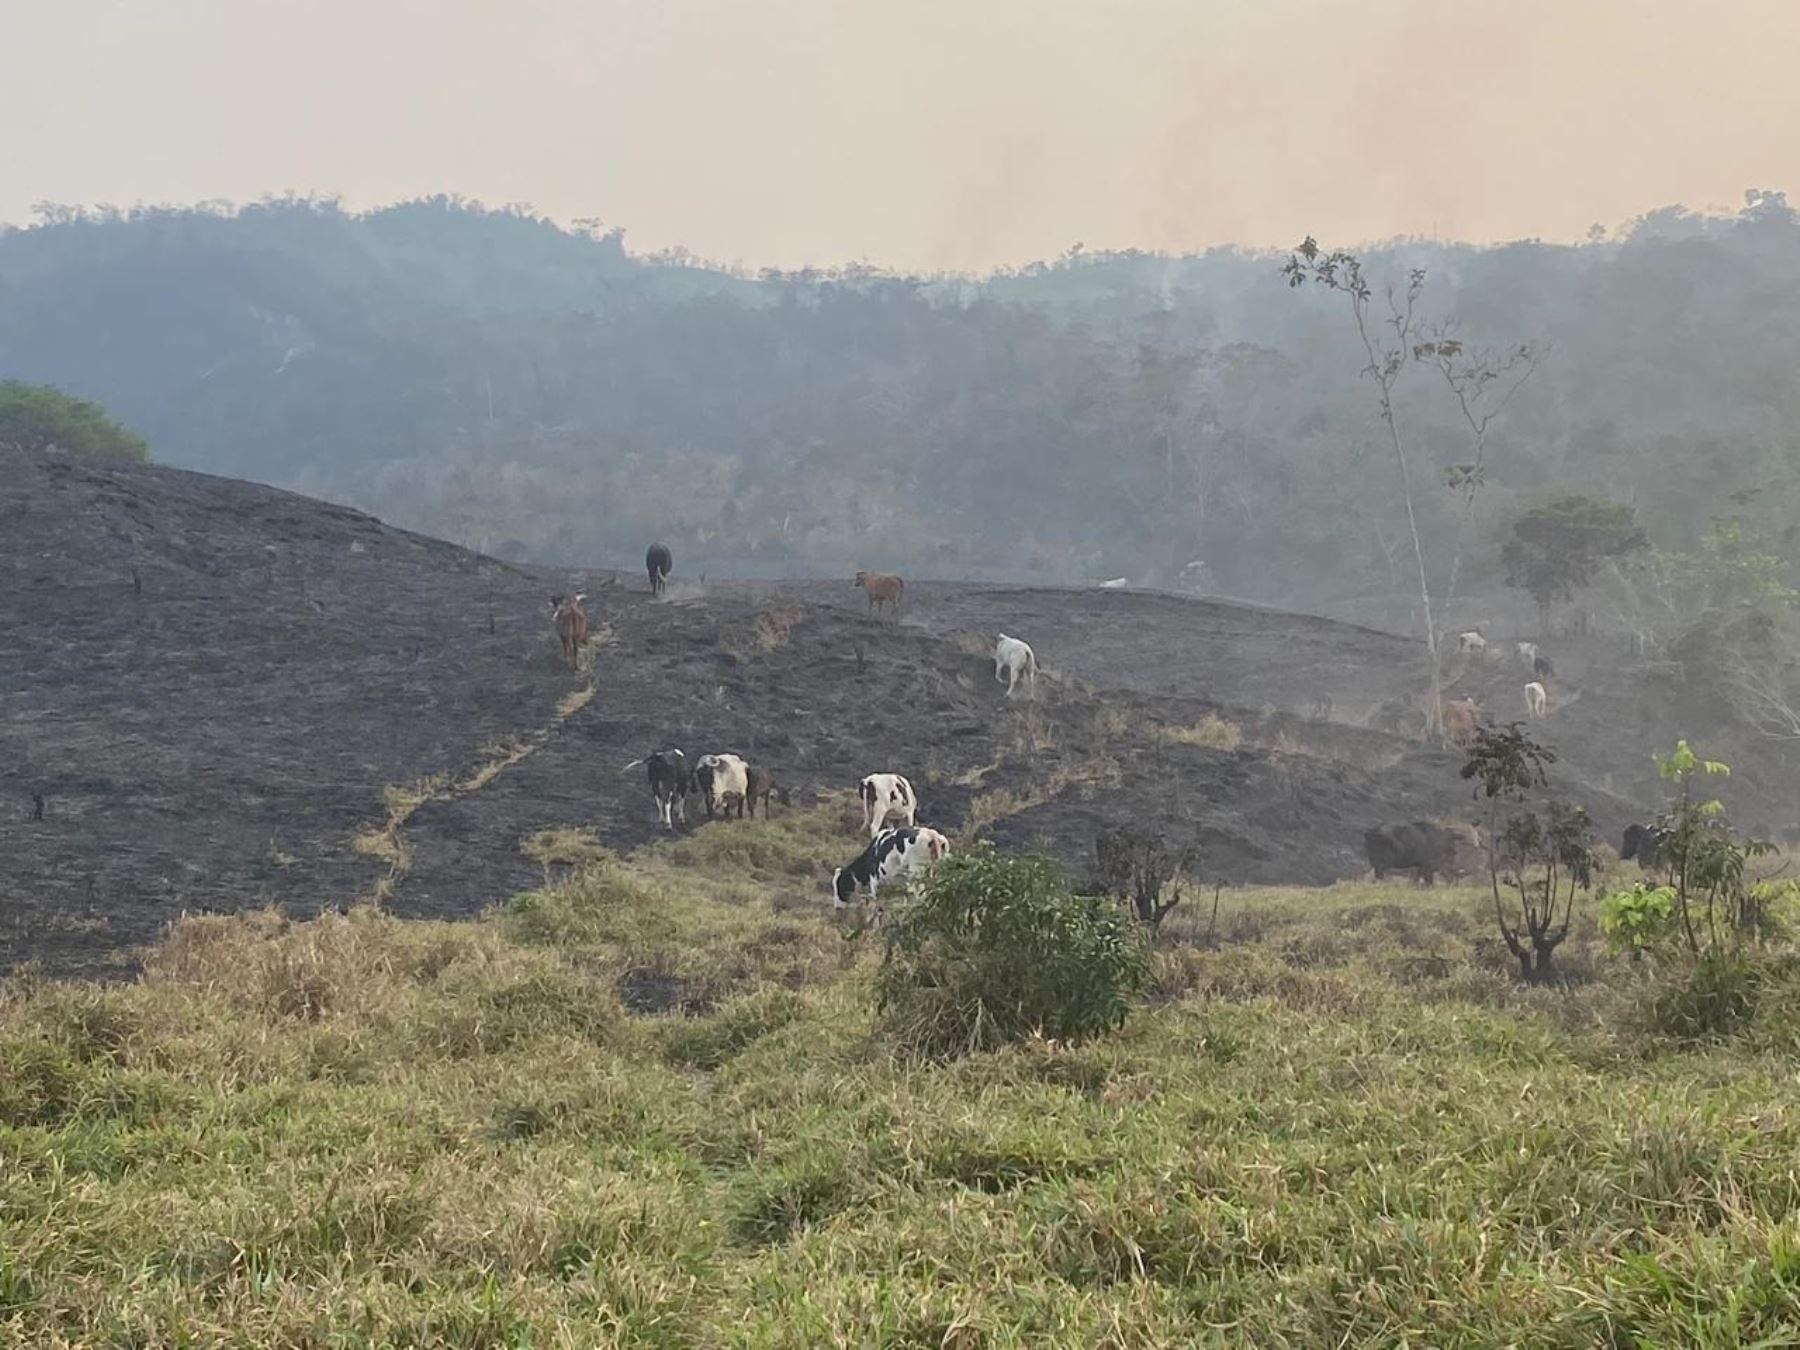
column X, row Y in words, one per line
column 890, row 855
column 722, row 782
column 670, row 783
column 884, row 795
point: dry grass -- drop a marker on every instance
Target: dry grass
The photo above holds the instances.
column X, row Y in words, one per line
column 1212, row 731
column 642, row 1107
column 574, row 701
column 768, row 631
column 567, row 846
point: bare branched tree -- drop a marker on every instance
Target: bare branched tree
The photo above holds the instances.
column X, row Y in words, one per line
column 1482, row 383
column 1343, row 273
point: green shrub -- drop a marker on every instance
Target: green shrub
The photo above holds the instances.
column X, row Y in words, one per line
column 995, row 949
column 1718, row 995
column 1639, row 919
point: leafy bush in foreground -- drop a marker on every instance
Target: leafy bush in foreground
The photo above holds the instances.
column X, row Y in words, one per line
column 995, row 948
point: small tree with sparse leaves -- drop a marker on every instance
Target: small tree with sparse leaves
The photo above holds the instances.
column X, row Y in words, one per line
column 1538, row 858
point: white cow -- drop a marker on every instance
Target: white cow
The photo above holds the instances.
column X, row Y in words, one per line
column 1528, row 654
column 1017, row 659
column 1471, row 643
column 885, row 795
column 723, row 782
column 1536, row 700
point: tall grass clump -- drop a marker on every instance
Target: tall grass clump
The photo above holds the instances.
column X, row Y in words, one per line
column 995, row 948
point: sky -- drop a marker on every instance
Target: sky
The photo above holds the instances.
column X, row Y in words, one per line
column 917, row 134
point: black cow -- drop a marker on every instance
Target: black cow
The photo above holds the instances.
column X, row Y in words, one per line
column 1645, row 843
column 658, row 562
column 1422, row 847
column 1542, row 667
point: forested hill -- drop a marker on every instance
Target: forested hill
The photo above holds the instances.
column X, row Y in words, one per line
column 541, row 393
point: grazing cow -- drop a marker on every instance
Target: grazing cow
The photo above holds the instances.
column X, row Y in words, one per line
column 722, row 782
column 882, row 588
column 659, row 562
column 1645, row 843
column 570, row 621
column 1541, row 667
column 759, row 784
column 1461, row 717
column 885, row 795
column 670, row 782
column 1017, row 659
column 1528, row 654
column 1423, row 847
column 890, row 854
column 1536, row 700
column 1471, row 643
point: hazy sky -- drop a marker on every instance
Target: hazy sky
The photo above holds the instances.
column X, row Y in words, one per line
column 917, row 133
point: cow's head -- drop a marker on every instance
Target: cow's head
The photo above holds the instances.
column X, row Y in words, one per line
column 861, row 577
column 843, row 888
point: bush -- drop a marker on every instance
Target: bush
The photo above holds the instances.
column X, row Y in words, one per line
column 1718, row 996
column 995, row 948
column 1640, row 919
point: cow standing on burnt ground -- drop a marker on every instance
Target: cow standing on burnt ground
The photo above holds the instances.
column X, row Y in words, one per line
column 659, row 562
column 571, row 624
column 882, row 588
column 723, row 783
column 670, row 782
column 1015, row 660
column 1537, row 702
column 759, row 786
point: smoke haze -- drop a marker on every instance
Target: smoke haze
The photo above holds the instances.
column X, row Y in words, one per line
column 933, row 134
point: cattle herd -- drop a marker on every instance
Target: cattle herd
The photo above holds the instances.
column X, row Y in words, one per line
column 728, row 785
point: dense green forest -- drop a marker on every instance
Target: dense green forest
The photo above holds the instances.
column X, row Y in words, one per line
column 542, row 393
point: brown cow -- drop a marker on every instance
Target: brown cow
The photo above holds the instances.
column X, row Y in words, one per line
column 760, row 785
column 1461, row 717
column 570, row 620
column 881, row 588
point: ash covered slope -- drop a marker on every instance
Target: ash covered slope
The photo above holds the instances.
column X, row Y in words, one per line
column 211, row 735
column 216, row 734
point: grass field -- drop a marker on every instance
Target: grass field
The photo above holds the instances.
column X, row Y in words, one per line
column 648, row 1106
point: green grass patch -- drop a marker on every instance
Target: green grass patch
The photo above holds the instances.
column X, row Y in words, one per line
column 643, row 1106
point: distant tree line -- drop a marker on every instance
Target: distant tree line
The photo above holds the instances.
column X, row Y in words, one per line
column 542, row 393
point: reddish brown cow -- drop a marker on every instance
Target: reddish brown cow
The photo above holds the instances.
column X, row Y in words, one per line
column 881, row 588
column 571, row 624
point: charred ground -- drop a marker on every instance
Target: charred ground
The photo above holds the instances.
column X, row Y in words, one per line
column 227, row 696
